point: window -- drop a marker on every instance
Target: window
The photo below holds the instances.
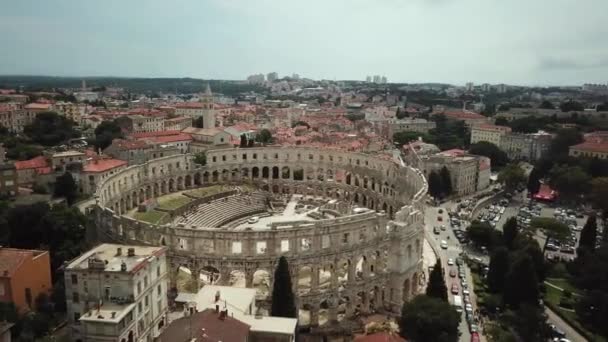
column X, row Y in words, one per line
column 74, row 279
column 158, row 271
column 28, row 296
column 159, row 289
column 77, row 317
column 146, row 301
column 214, row 159
column 145, row 281
column 223, row 158
column 75, row 297
column 107, row 292
column 139, row 287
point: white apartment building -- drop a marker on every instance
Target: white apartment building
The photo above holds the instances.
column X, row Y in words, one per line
column 410, row 125
column 468, row 173
column 117, row 293
column 489, row 133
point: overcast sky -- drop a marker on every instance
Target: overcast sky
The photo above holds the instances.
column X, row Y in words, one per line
column 530, row 42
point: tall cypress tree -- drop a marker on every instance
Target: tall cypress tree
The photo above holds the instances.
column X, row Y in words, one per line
column 533, row 181
column 446, row 181
column 589, row 234
column 499, row 265
column 283, row 302
column 65, row 186
column 436, row 286
column 435, row 184
column 509, row 232
column 521, row 282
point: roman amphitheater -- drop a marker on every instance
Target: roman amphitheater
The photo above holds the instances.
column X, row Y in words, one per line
column 349, row 224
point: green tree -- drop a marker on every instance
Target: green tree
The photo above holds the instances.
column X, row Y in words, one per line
column 599, row 193
column 487, row 149
column 521, row 282
column 570, row 181
column 534, row 181
column 427, row 319
column 105, row 133
column 65, row 186
column 482, row 234
column 435, row 184
column 446, row 181
column 401, row 114
column 499, row 265
column 200, row 158
column 528, row 322
column 283, row 303
column 50, row 128
column 501, row 121
column 552, row 227
column 571, row 106
column 402, row 138
column 264, row 136
column 511, row 176
column 243, row 140
column 198, row 122
column 562, row 141
column 436, row 286
column 510, row 232
column 588, row 235
column 546, row 105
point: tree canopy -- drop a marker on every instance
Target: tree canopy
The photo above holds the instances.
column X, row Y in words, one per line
column 482, row 234
column 427, row 319
column 499, row 265
column 264, row 136
column 497, row 156
column 562, row 141
column 570, row 181
column 588, row 237
column 511, row 176
column 571, row 106
column 106, row 132
column 534, row 181
column 510, row 232
column 50, row 128
column 65, row 186
column 521, row 283
column 551, row 226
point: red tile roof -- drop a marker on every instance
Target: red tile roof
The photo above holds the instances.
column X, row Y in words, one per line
column 103, row 165
column 592, row 147
column 193, row 105
column 44, row 170
column 380, row 337
column 154, row 134
column 464, row 115
column 38, row 106
column 170, row 138
column 129, row 144
column 12, row 258
column 493, row 127
column 455, row 152
column 33, row 163
column 206, row 326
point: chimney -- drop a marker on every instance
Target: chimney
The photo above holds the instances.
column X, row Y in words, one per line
column 217, row 296
column 118, row 251
column 131, row 252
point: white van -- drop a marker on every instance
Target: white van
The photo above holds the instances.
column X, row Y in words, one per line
column 458, row 303
column 444, row 244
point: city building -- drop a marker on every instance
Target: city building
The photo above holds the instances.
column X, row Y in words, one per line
column 117, row 293
column 9, row 183
column 470, row 86
column 207, row 325
column 489, row 133
column 469, row 173
column 590, row 149
column 240, row 303
column 207, row 138
column 24, row 275
column 96, row 170
column 410, row 125
column 272, row 76
column 470, row 118
column 29, row 170
column 177, row 123
column 146, row 123
column 256, row 79
column 204, row 108
column 530, row 147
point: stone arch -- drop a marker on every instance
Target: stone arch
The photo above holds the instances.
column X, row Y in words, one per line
column 406, row 290
column 356, row 180
column 188, row 181
column 262, row 283
column 245, row 172
column 285, row 174
column 255, row 172
column 238, row 278
column 215, row 175
column 298, row 174
column 225, row 175
column 330, row 175
column 304, row 280
column 148, row 191
column 409, row 253
column 206, row 177
column 365, row 181
column 415, row 284
column 348, row 178
column 171, row 185
column 265, row 172
column 275, row 189
column 320, row 174
column 180, row 183
column 197, row 179
column 163, row 187
column 142, row 195
column 235, row 174
column 325, row 275
column 310, row 173
column 156, row 190
column 210, row 275
column 361, row 268
column 275, row 172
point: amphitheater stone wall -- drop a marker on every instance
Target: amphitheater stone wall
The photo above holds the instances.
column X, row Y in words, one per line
column 379, row 251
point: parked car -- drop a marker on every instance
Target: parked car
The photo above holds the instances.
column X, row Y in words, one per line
column 455, row 289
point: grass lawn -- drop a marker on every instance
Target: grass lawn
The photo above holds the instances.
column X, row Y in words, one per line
column 207, row 191
column 151, row 216
column 173, row 201
column 562, row 283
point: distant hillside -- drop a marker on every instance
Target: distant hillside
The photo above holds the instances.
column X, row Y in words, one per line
column 135, row 85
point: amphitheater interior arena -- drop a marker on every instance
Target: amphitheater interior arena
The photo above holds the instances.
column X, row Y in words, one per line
column 349, row 224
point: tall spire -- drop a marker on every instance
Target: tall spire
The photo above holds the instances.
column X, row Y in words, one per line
column 208, row 90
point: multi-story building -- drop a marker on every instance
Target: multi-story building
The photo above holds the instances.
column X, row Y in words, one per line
column 470, row 118
column 531, row 147
column 146, row 123
column 205, row 139
column 256, row 79
column 29, row 170
column 237, row 303
column 9, row 183
column 96, row 170
column 117, row 293
column 177, row 123
column 24, row 275
column 590, row 149
column 272, row 76
column 488, row 133
column 469, row 173
column 410, row 125
column 205, row 108
column 70, row 110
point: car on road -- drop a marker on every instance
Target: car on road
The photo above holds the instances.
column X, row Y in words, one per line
column 436, row 230
column 455, row 289
column 453, row 273
column 440, row 211
column 254, row 219
column 439, row 218
column 444, row 244
column 450, row 261
column 443, row 227
column 466, row 292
